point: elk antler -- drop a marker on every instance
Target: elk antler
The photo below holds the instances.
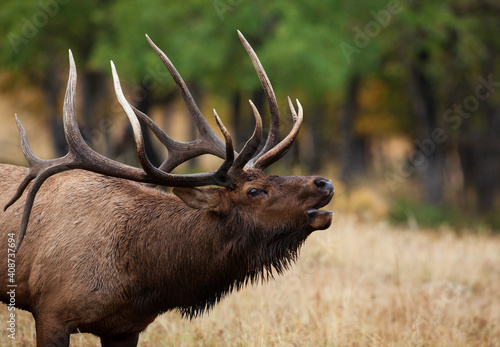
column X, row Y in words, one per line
column 81, row 156
column 207, row 142
column 272, row 150
column 270, row 153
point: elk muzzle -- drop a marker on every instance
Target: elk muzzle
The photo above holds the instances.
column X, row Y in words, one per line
column 321, row 219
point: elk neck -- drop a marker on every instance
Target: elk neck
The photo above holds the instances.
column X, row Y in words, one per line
column 193, row 258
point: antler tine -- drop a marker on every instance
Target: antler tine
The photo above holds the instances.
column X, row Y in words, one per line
column 205, row 131
column 175, row 148
column 252, row 144
column 134, row 122
column 166, row 140
column 282, row 148
column 228, row 163
column 32, row 160
column 36, row 164
column 274, row 130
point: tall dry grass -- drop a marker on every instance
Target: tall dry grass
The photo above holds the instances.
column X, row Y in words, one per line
column 356, row 284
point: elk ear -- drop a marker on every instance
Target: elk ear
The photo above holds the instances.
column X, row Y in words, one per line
column 200, row 198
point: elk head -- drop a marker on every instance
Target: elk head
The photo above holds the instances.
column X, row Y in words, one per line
column 240, row 179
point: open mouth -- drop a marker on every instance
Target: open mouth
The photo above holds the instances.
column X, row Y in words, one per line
column 320, row 219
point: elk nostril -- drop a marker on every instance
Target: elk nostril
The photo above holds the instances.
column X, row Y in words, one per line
column 324, row 185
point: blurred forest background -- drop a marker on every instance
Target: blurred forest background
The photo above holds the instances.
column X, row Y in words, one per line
column 401, row 98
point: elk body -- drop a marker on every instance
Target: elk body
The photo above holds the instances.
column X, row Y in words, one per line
column 105, row 253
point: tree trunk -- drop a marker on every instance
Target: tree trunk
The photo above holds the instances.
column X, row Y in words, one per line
column 431, row 156
column 93, row 94
column 316, row 155
column 236, row 112
column 479, row 149
column 488, row 160
column 51, row 87
column 353, row 152
column 488, row 148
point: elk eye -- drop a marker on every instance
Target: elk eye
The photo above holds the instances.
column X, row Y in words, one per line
column 253, row 192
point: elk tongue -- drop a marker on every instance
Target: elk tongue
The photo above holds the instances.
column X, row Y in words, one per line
column 319, row 219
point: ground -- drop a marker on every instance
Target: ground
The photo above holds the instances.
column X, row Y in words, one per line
column 355, row 284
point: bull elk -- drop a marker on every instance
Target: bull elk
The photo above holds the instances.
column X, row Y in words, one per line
column 105, row 253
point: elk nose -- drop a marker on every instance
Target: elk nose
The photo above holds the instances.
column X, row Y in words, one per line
column 324, row 185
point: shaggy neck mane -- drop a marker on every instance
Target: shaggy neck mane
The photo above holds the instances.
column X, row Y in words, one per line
column 252, row 255
column 228, row 255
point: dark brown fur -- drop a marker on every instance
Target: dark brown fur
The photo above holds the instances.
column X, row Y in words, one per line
column 107, row 256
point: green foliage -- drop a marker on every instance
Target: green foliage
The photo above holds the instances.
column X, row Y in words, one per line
column 409, row 211
column 39, row 33
column 425, row 215
column 299, row 42
column 310, row 50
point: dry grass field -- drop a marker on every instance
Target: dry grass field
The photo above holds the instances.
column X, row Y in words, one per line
column 356, row 284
